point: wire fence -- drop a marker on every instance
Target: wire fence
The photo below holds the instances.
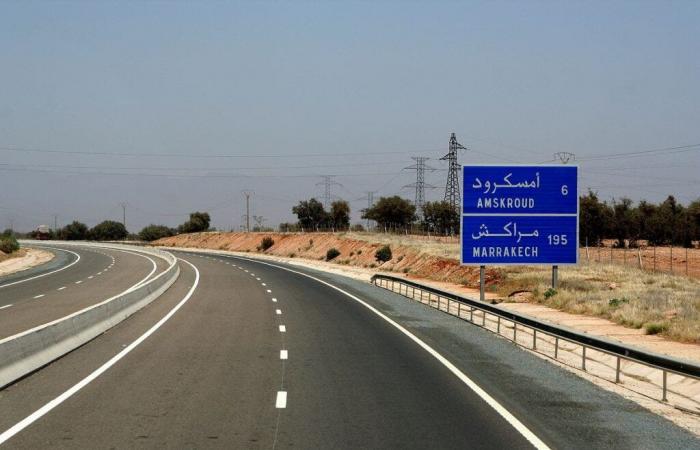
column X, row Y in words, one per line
column 661, row 259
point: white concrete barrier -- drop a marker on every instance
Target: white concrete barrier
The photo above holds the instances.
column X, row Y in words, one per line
column 30, row 350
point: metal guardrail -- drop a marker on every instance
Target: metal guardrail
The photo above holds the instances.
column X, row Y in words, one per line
column 611, row 357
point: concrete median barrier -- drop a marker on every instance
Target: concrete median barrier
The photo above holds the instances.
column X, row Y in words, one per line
column 30, row 350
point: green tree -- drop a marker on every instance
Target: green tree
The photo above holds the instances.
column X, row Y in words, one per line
column 199, row 221
column 75, row 231
column 340, row 214
column 154, row 232
column 391, row 212
column 625, row 225
column 109, row 230
column 595, row 218
column 440, row 217
column 310, row 214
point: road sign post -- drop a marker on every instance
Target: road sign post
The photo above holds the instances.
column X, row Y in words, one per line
column 519, row 215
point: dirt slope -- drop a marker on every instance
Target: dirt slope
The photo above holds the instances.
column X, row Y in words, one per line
column 352, row 252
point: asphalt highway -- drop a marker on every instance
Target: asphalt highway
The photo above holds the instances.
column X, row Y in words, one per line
column 244, row 354
column 77, row 277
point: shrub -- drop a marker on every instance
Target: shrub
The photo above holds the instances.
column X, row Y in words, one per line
column 109, row 230
column 266, row 243
column 332, row 253
column 655, row 327
column 8, row 244
column 383, row 254
column 399, row 259
column 359, row 252
column 155, row 232
column 551, row 292
column 615, row 302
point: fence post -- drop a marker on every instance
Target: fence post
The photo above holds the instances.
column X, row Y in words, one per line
column 686, row 261
column 671, row 246
column 611, row 253
column 654, row 258
column 639, row 257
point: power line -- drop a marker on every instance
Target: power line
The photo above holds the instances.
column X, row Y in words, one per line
column 644, row 153
column 198, row 156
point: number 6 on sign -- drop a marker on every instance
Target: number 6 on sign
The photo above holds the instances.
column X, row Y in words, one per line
column 564, row 190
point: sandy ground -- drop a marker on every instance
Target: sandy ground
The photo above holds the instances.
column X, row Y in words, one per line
column 32, row 257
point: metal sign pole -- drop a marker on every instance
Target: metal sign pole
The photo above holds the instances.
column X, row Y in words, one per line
column 482, row 283
column 555, row 276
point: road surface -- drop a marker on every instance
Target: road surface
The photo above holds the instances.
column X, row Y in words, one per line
column 244, row 354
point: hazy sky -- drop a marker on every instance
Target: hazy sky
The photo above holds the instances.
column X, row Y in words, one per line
column 289, row 91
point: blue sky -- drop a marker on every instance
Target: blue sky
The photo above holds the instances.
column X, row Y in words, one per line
column 352, row 89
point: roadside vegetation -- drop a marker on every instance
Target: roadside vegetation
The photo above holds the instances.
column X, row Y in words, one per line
column 8, row 243
column 657, row 303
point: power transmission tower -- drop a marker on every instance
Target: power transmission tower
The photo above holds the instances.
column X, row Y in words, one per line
column 370, row 203
column 452, row 194
column 564, row 157
column 123, row 205
column 420, row 185
column 327, row 183
column 247, row 209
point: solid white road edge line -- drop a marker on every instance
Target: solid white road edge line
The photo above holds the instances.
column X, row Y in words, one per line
column 47, row 273
column 36, row 415
column 500, row 409
column 281, row 400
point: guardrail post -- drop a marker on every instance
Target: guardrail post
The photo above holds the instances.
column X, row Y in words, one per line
column 482, row 283
column 471, row 314
column 534, row 339
column 515, row 331
column 663, row 397
column 583, row 360
column 556, row 347
column 617, row 371
column 483, row 318
column 459, row 309
column 498, row 324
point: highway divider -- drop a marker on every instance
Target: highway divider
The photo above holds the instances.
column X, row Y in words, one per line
column 651, row 374
column 30, row 350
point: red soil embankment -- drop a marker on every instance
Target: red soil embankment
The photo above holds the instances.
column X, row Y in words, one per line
column 352, row 252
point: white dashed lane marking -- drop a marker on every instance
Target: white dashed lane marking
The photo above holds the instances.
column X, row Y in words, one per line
column 278, row 311
column 274, row 300
column 78, row 282
column 90, row 277
column 39, row 296
column 61, row 288
column 284, row 354
column 283, row 329
column 6, row 306
column 281, row 399
column 269, row 291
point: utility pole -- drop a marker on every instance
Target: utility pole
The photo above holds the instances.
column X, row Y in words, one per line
column 452, row 194
column 123, row 205
column 247, row 209
column 55, row 223
column 420, row 184
column 327, row 183
column 564, row 157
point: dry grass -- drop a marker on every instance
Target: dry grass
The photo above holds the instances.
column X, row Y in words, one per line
column 444, row 247
column 659, row 303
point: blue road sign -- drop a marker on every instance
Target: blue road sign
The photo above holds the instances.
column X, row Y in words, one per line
column 519, row 240
column 520, row 215
column 520, row 190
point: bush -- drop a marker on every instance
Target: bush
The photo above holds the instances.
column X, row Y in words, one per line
column 266, row 243
column 109, row 230
column 155, row 232
column 75, row 231
column 615, row 302
column 332, row 253
column 551, row 292
column 8, row 244
column 655, row 327
column 383, row 254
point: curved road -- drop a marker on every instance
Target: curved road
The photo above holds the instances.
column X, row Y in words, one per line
column 79, row 276
column 245, row 354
